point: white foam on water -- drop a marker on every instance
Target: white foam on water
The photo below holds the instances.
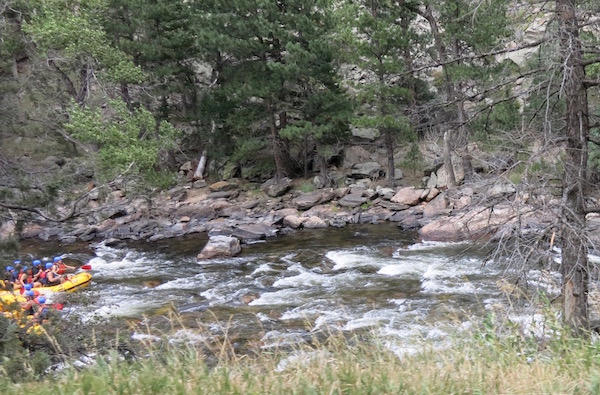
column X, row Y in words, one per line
column 186, row 336
column 534, row 324
column 145, row 337
column 349, row 259
column 265, row 268
column 184, row 283
column 435, row 287
column 549, row 282
column 274, row 339
column 304, row 279
column 302, row 358
column 284, row 297
column 430, row 245
column 403, row 268
column 330, row 320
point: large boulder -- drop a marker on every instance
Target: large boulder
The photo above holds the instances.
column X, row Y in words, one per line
column 275, row 188
column 308, row 200
column 408, row 195
column 220, row 246
column 366, row 169
column 352, row 200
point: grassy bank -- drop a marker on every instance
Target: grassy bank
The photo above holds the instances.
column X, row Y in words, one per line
column 483, row 364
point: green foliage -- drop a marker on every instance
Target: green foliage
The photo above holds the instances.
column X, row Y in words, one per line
column 413, row 160
column 270, row 75
column 79, row 37
column 306, row 187
column 125, row 138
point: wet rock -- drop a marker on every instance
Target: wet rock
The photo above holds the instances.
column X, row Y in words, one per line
column 250, row 297
column 245, row 233
column 293, row 221
column 314, row 222
column 220, row 246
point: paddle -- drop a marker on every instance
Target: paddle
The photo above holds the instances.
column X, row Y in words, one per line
column 86, row 267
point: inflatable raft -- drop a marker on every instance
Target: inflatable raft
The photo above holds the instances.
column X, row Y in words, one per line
column 76, row 282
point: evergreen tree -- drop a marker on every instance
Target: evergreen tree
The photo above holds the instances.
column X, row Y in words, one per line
column 272, row 60
column 463, row 33
column 377, row 38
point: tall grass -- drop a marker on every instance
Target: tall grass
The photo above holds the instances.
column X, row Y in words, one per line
column 498, row 358
column 485, row 363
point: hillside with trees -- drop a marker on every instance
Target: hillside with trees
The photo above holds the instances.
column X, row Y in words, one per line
column 118, row 93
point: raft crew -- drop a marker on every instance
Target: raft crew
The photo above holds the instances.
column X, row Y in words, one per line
column 40, row 310
column 29, row 304
column 52, row 278
column 60, row 265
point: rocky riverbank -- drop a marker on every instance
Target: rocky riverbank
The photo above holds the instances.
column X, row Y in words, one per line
column 235, row 213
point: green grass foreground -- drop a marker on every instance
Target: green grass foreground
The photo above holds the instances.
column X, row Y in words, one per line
column 484, row 364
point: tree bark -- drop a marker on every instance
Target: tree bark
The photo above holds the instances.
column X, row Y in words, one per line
column 574, row 268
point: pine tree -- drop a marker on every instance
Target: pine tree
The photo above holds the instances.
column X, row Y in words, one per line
column 377, row 37
column 273, row 61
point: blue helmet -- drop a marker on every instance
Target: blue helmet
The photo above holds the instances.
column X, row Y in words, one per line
column 57, row 258
column 17, row 262
column 9, row 268
column 28, row 287
column 37, row 262
column 29, row 293
column 41, row 300
column 49, row 265
column 24, row 268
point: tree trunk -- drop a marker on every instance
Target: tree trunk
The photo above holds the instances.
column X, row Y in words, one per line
column 574, row 268
column 442, row 57
column 389, row 142
column 276, row 144
column 451, row 179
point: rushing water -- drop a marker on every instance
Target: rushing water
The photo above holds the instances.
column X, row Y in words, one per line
column 286, row 289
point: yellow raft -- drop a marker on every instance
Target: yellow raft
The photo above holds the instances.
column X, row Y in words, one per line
column 76, row 282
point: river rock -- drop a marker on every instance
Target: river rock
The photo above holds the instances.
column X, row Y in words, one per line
column 222, row 186
column 352, row 200
column 314, row 222
column 293, row 221
column 307, row 200
column 436, row 207
column 223, row 195
column 384, row 192
column 220, row 246
column 275, row 188
column 474, row 224
column 366, row 169
column 408, row 195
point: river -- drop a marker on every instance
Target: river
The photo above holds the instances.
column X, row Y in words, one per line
column 289, row 288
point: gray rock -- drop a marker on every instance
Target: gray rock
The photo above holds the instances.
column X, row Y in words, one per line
column 223, row 195
column 276, row 188
column 408, row 195
column 352, row 200
column 314, row 222
column 293, row 221
column 307, row 200
column 220, row 246
column 366, row 169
